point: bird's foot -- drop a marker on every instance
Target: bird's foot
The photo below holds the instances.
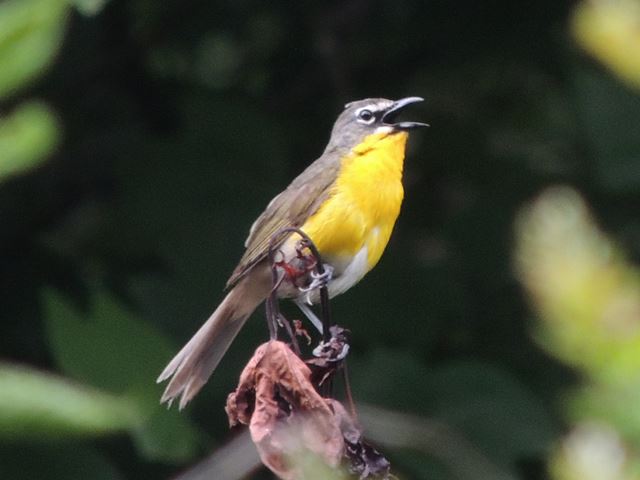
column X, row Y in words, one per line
column 318, row 280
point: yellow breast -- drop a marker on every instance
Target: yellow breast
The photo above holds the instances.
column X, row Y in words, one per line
column 363, row 204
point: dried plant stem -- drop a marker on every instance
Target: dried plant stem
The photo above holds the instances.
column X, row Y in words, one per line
column 347, row 391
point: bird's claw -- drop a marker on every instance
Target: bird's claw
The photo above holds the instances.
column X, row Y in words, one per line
column 319, row 280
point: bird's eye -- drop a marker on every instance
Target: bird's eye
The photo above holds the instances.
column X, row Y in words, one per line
column 366, row 116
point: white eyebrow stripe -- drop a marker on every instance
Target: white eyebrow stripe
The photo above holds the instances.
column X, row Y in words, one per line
column 374, row 107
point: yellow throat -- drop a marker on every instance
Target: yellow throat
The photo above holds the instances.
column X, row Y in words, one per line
column 363, row 204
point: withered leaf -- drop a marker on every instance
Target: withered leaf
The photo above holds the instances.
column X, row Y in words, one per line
column 285, row 414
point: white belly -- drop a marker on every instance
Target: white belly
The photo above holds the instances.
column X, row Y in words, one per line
column 352, row 274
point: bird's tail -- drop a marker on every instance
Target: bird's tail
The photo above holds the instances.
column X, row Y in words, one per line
column 193, row 365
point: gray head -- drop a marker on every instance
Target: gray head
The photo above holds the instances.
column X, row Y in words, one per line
column 368, row 116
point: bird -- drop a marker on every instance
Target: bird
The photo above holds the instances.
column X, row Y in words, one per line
column 347, row 201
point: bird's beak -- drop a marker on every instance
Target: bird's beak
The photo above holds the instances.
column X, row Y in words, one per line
column 394, row 110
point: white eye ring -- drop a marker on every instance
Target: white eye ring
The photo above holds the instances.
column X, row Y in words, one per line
column 365, row 116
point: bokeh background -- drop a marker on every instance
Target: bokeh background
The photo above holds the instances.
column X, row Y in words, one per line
column 499, row 337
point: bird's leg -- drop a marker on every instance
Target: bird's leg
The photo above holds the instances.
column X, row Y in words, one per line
column 298, row 269
column 308, row 263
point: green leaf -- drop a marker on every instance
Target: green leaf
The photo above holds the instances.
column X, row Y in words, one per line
column 27, row 137
column 37, row 405
column 106, row 345
column 31, row 32
column 111, row 348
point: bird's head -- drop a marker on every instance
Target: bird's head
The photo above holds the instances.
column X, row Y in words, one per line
column 371, row 116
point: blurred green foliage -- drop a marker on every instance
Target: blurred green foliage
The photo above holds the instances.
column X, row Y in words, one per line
column 609, row 29
column 589, row 299
column 138, row 141
column 34, row 405
column 27, row 136
column 82, row 341
column 30, row 34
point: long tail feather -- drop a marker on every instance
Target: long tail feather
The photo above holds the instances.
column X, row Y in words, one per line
column 193, row 365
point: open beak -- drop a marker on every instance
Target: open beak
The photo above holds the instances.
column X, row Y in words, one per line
column 394, row 110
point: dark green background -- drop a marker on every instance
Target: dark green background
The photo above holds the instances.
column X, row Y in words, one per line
column 181, row 120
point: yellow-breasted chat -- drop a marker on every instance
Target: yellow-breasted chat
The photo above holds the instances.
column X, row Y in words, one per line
column 347, row 201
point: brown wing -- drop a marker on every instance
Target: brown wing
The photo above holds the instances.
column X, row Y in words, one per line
column 290, row 208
